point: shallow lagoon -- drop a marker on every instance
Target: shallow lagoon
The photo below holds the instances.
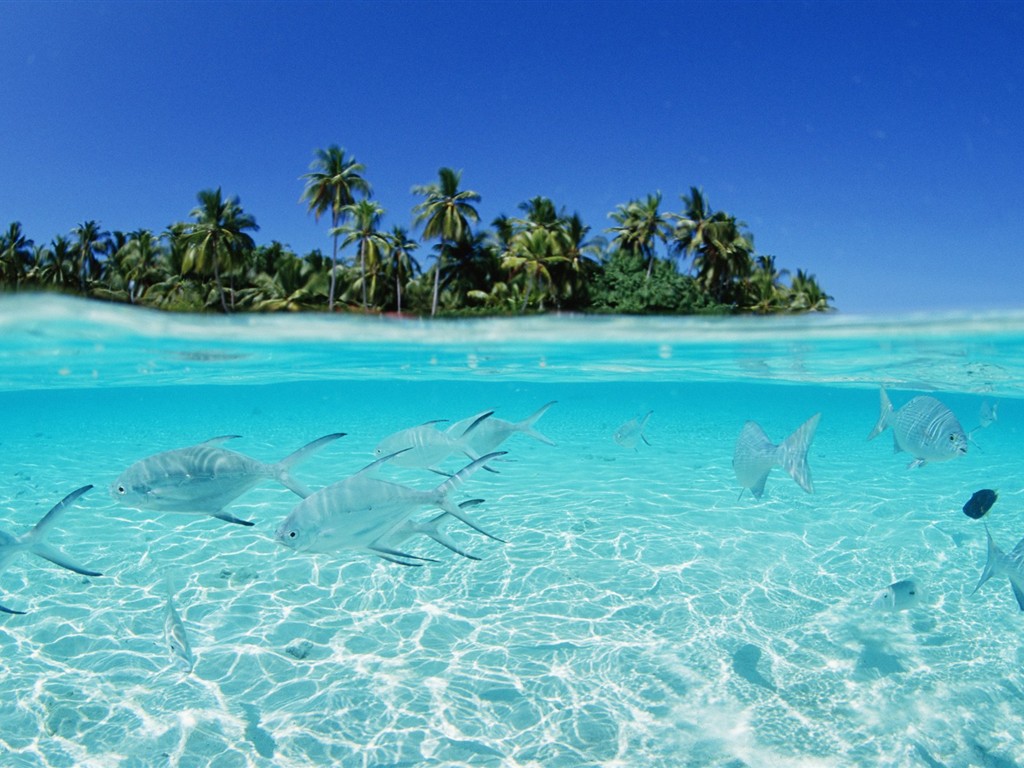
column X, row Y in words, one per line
column 640, row 613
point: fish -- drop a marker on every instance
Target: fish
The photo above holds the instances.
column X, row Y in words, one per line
column 35, row 542
column 756, row 454
column 988, row 414
column 899, row 596
column 203, row 479
column 980, row 503
column 924, row 428
column 426, row 446
column 489, row 434
column 365, row 512
column 633, row 430
column 999, row 564
column 175, row 635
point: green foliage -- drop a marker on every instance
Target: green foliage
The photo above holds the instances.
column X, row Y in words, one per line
column 543, row 259
column 624, row 287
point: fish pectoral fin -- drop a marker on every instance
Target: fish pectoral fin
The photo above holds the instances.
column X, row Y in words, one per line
column 916, row 463
column 57, row 557
column 227, row 517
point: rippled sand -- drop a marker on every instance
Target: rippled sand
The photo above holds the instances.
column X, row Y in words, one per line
column 640, row 613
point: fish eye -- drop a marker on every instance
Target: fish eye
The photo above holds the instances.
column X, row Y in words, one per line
column 292, row 534
column 120, row 489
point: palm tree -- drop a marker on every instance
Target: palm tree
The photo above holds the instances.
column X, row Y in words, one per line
column 719, row 245
column 445, row 214
column 137, row 260
column 640, row 226
column 401, row 264
column 55, row 264
column 332, row 183
column 90, row 240
column 366, row 216
column 217, row 240
column 532, row 254
column 805, row 295
column 582, row 256
column 764, row 290
column 16, row 255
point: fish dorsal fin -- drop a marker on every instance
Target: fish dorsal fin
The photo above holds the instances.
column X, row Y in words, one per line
column 220, row 439
column 883, row 417
column 476, row 422
column 374, row 464
column 433, row 421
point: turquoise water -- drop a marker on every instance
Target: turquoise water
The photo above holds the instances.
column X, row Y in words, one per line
column 641, row 612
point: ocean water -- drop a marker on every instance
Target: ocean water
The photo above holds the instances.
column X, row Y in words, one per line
column 641, row 611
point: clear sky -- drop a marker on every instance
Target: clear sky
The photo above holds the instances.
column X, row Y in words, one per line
column 879, row 146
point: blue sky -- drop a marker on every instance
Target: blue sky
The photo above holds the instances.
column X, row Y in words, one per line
column 879, row 146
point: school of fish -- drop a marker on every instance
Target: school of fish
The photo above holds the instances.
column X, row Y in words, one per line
column 368, row 513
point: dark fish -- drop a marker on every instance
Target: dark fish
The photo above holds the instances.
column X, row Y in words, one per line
column 980, row 503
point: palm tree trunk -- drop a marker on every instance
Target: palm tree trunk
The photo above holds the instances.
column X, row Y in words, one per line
column 220, row 287
column 398, row 290
column 437, row 284
column 334, row 260
column 362, row 268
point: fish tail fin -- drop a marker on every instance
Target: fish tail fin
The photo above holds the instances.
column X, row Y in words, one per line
column 37, row 536
column 883, row 417
column 282, row 469
column 433, row 529
column 526, row 425
column 445, row 489
column 793, row 453
column 993, row 556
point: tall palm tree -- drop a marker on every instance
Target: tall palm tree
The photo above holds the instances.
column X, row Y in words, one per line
column 401, row 264
column 720, row 246
column 582, row 255
column 16, row 255
column 331, row 183
column 217, row 241
column 640, row 226
column 90, row 241
column 445, row 213
column 805, row 295
column 533, row 253
column 55, row 264
column 366, row 216
column 764, row 290
column 136, row 261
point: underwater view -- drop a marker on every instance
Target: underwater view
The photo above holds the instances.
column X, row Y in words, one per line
column 552, row 542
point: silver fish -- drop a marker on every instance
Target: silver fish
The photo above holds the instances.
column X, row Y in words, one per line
column 175, row 636
column 492, row 432
column 988, row 414
column 899, row 596
column 924, row 428
column 426, row 446
column 633, row 431
column 1011, row 566
column 755, row 455
column 34, row 541
column 205, row 478
column 365, row 512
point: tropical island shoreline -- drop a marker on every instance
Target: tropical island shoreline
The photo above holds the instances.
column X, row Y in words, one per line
column 540, row 261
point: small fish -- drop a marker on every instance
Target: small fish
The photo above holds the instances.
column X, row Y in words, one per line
column 426, row 446
column 980, row 503
column 35, row 542
column 744, row 664
column 1011, row 566
column 899, row 596
column 175, row 636
column 364, row 512
column 632, row 431
column 924, row 428
column 492, row 432
column 205, row 478
column 755, row 455
column 988, row 414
